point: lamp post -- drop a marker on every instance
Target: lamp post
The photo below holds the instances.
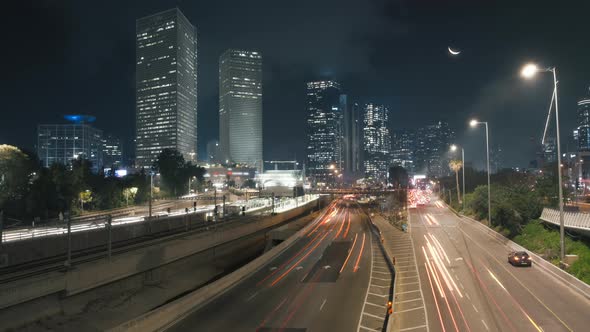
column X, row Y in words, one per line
column 454, row 148
column 474, row 123
column 529, row 71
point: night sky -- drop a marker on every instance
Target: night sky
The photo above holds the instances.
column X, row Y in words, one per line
column 63, row 57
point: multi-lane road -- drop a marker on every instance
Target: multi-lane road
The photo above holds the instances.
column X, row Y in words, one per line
column 333, row 278
column 468, row 285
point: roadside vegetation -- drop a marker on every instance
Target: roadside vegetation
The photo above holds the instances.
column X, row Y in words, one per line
column 29, row 191
column 517, row 202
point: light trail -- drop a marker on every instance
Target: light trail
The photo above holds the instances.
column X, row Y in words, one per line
column 349, row 253
column 358, row 259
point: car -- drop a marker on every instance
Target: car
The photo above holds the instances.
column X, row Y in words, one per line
column 520, row 258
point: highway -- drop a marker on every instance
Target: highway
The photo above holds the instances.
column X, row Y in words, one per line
column 468, row 285
column 334, row 278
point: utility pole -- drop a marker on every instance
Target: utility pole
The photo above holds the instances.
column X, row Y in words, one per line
column 68, row 263
column 109, row 235
column 1, row 227
column 223, row 210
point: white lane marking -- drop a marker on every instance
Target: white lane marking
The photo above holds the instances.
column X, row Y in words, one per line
column 380, row 278
column 370, row 277
column 368, row 328
column 388, row 273
column 413, row 291
column 412, row 277
column 375, row 294
column 305, row 276
column 376, row 305
column 374, row 316
column 460, row 284
column 397, row 312
column 298, row 268
column 273, row 268
column 408, row 283
column 484, row 324
column 467, row 295
column 251, row 297
column 413, row 328
column 379, row 286
column 322, row 306
column 412, row 300
column 474, row 308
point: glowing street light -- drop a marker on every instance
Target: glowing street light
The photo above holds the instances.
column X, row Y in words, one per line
column 528, row 72
column 453, row 149
column 474, row 123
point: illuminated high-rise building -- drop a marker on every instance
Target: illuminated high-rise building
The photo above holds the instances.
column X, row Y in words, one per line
column 432, row 147
column 324, row 137
column 352, row 152
column 403, row 149
column 583, row 135
column 240, row 107
column 166, row 86
column 62, row 143
column 376, row 142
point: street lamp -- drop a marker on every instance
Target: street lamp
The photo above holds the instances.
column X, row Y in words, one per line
column 454, row 148
column 529, row 71
column 474, row 123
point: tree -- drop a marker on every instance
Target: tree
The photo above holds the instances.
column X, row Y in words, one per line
column 15, row 173
column 455, row 166
column 176, row 172
column 398, row 177
column 249, row 183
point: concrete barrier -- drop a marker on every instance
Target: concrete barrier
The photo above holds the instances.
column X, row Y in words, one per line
column 166, row 316
column 92, row 274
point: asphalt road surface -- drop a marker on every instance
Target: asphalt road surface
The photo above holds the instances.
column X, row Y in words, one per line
column 321, row 283
column 468, row 284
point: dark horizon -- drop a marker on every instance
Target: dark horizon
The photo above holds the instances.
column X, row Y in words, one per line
column 69, row 59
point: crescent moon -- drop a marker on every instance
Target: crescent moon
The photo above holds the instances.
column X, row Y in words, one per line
column 453, row 52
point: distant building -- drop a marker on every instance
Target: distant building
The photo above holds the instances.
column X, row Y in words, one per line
column 496, row 159
column 240, row 107
column 112, row 151
column 166, row 86
column 213, row 153
column 376, row 142
column 62, row 143
column 432, row 146
column 352, row 149
column 403, row 149
column 549, row 150
column 324, row 143
column 583, row 134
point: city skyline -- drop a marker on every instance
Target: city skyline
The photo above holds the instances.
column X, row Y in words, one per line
column 287, row 67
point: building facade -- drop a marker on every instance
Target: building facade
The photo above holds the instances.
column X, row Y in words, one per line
column 166, row 86
column 403, row 149
column 324, row 138
column 62, row 143
column 376, row 142
column 583, row 135
column 112, row 151
column 432, row 146
column 240, row 107
column 351, row 139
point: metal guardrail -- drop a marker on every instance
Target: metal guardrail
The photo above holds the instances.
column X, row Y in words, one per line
column 573, row 220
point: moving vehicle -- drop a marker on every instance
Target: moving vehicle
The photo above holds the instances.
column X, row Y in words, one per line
column 520, row 258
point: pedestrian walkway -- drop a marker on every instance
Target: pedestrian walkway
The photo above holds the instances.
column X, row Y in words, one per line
column 375, row 306
column 409, row 312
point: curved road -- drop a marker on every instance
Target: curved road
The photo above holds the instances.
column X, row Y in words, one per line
column 332, row 279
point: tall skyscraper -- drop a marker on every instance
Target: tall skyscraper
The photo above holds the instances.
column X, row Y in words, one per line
column 324, row 143
column 166, row 86
column 376, row 142
column 351, row 139
column 240, row 107
column 403, row 149
column 62, row 143
column 432, row 146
